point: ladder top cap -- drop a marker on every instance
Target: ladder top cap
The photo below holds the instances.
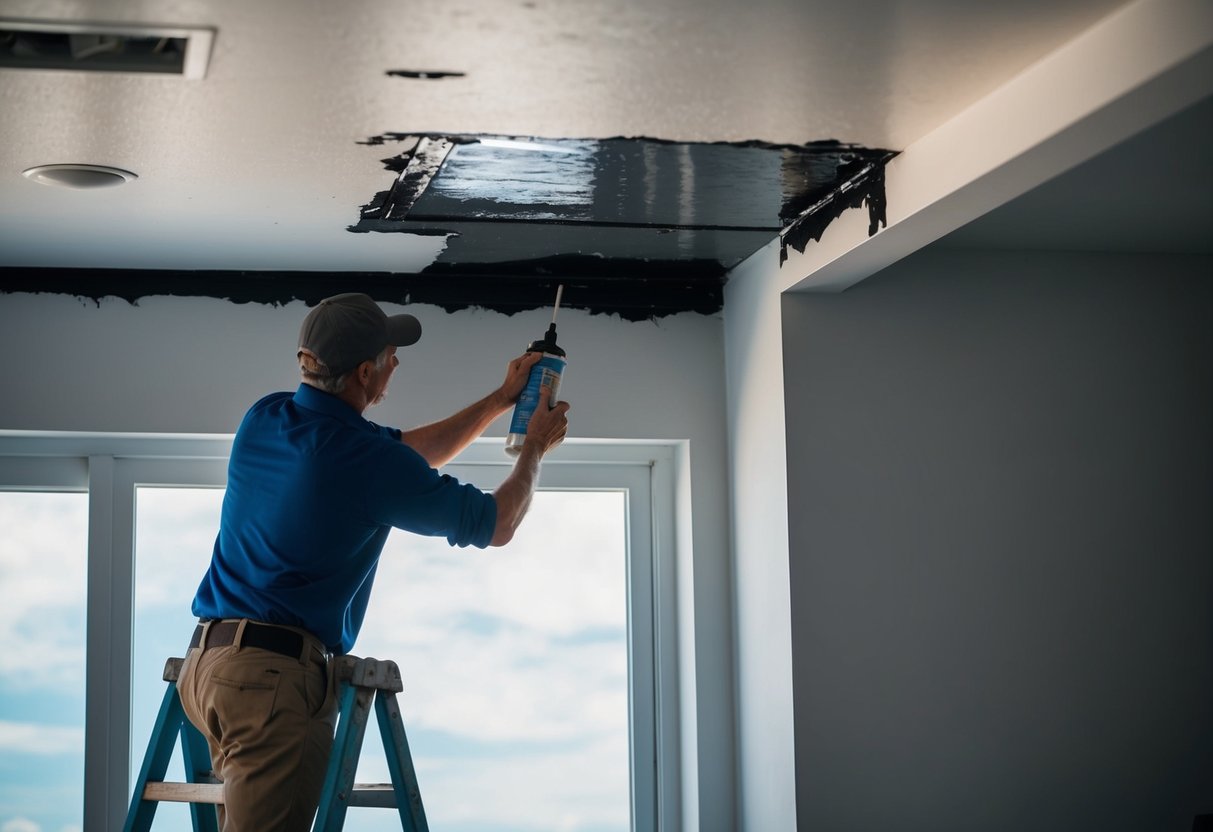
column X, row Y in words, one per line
column 369, row 673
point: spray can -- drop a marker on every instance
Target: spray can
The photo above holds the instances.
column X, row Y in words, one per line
column 544, row 373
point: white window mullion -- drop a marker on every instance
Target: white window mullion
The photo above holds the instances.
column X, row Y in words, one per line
column 665, row 641
column 107, row 663
column 643, row 670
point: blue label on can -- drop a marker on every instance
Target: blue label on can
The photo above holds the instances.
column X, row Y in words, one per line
column 546, row 373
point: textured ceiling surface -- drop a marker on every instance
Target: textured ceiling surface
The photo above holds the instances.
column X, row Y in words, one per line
column 264, row 164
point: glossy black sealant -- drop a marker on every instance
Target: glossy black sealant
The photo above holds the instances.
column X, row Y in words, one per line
column 627, row 208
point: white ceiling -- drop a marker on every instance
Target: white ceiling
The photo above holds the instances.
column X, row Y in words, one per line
column 259, row 166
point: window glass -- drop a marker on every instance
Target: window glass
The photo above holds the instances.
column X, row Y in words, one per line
column 43, row 551
column 514, row 660
column 514, row 663
column 175, row 531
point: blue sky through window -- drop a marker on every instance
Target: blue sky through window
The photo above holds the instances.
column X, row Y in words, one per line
column 514, row 661
column 43, row 548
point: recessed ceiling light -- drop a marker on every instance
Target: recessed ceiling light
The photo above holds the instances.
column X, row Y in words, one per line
column 79, row 176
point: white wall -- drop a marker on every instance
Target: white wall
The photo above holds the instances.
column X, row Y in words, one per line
column 1000, row 480
column 193, row 365
column 758, row 504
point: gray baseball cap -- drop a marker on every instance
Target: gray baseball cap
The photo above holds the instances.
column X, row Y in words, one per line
column 345, row 330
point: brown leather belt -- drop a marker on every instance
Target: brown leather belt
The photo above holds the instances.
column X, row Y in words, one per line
column 276, row 639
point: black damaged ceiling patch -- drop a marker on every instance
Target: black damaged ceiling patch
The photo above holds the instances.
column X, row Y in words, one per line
column 616, row 208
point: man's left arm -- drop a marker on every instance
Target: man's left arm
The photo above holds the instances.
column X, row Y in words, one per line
column 441, row 441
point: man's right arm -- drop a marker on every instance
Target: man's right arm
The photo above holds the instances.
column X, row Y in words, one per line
column 440, row 442
column 544, row 432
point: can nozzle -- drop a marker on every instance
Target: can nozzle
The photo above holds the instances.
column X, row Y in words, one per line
column 548, row 342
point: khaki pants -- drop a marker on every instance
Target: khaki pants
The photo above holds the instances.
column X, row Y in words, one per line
column 269, row 722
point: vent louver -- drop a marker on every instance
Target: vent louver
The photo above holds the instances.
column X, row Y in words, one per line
column 103, row 47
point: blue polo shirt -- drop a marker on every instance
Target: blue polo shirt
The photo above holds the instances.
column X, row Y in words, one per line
column 312, row 491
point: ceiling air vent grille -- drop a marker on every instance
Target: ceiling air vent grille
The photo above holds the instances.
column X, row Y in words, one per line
column 105, row 47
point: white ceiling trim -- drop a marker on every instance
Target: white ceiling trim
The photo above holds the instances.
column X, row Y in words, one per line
column 1143, row 63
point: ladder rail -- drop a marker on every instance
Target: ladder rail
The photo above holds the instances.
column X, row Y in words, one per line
column 197, row 758
column 170, row 724
column 343, row 759
column 400, row 763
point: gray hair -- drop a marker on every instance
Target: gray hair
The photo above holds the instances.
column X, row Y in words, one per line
column 316, row 373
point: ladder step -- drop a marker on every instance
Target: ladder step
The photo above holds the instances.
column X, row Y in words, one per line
column 374, row 795
column 184, row 792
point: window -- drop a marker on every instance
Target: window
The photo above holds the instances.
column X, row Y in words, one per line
column 585, row 631
column 174, row 532
column 515, row 664
column 42, row 587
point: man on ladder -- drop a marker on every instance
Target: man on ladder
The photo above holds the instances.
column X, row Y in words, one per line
column 313, row 490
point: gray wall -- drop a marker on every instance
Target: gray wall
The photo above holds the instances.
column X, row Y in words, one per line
column 999, row 477
column 194, row 365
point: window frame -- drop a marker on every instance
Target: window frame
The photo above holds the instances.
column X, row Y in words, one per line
column 110, row 467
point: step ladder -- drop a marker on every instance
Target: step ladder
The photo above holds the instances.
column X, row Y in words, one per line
column 361, row 683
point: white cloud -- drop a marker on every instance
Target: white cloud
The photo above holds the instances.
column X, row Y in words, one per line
column 20, row 825
column 43, row 555
column 566, row 789
column 488, row 645
column 569, row 790
column 38, row 738
column 564, row 572
column 174, row 535
column 525, row 678
column 43, row 552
